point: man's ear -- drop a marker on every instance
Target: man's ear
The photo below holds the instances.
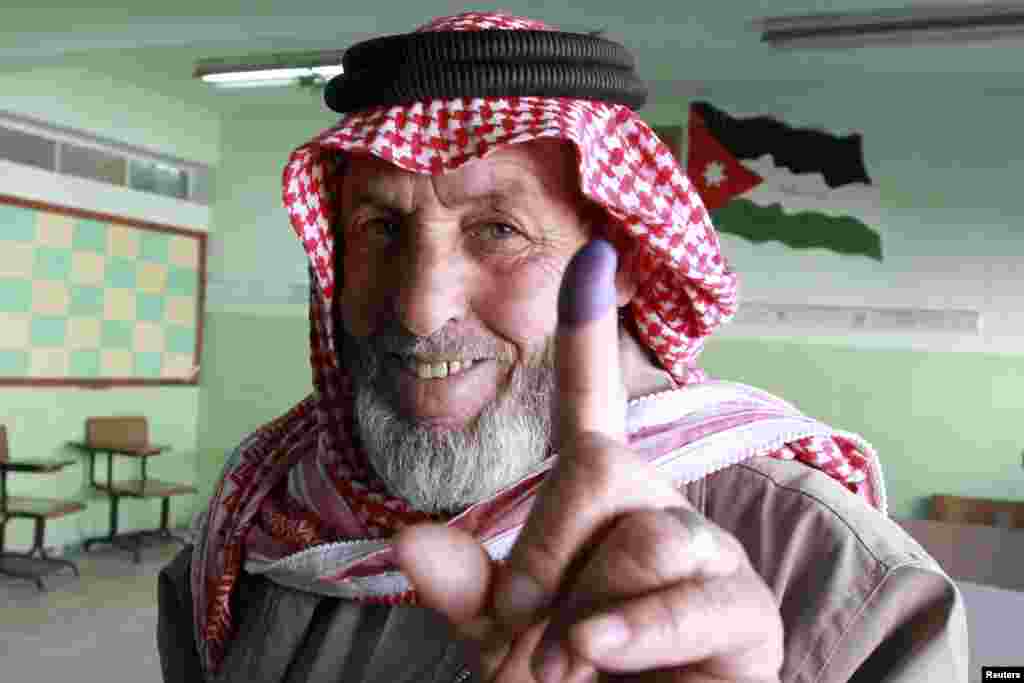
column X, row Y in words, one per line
column 627, row 278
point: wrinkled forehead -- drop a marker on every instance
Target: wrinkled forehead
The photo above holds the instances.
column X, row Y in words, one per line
column 535, row 171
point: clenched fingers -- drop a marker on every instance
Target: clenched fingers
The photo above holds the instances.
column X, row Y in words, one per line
column 452, row 574
column 648, row 549
column 599, row 480
column 449, row 569
column 497, row 656
column 687, row 599
column 728, row 628
column 643, row 551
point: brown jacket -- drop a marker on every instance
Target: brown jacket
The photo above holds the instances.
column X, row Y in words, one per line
column 860, row 600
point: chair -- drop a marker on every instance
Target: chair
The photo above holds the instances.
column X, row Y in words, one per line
column 999, row 513
column 128, row 436
column 35, row 564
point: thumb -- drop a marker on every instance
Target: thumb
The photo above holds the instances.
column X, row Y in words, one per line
column 449, row 569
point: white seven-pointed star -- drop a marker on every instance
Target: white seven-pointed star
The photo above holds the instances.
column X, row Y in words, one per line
column 714, row 173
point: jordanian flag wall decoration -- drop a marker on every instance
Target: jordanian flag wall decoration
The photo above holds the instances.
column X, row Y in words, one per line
column 764, row 180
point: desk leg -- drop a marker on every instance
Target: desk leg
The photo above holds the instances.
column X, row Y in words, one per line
column 136, row 537
column 165, row 515
column 35, row 564
column 39, row 537
column 38, row 546
column 114, row 500
column 134, row 540
column 92, row 468
column 112, row 536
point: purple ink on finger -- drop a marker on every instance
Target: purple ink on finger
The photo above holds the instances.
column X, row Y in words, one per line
column 588, row 286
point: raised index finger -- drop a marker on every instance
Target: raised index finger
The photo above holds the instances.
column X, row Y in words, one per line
column 596, row 477
column 591, row 394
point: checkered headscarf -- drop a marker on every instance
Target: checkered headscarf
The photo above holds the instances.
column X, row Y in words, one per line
column 623, row 166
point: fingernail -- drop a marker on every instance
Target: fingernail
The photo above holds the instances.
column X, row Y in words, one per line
column 608, row 633
column 588, row 286
column 552, row 663
column 520, row 598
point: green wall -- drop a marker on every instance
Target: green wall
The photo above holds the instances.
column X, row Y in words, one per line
column 90, row 100
column 940, row 422
column 256, row 359
column 944, row 417
column 256, row 367
column 41, row 420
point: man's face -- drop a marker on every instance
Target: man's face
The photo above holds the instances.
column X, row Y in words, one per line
column 448, row 308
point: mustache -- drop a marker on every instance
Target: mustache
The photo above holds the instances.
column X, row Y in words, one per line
column 393, row 339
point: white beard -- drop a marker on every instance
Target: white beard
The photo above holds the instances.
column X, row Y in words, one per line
column 449, row 470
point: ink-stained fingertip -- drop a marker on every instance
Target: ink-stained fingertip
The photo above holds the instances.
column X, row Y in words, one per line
column 588, row 285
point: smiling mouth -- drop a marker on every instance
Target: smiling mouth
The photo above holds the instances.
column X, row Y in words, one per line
column 439, row 369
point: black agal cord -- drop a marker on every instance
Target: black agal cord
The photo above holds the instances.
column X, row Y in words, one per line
column 396, row 70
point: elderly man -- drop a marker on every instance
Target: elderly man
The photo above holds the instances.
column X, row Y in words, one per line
column 511, row 468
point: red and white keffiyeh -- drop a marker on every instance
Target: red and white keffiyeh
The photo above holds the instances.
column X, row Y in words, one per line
column 302, row 480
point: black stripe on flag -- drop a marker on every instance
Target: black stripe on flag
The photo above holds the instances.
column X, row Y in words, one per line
column 802, row 150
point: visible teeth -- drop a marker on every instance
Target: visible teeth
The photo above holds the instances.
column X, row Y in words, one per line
column 437, row 370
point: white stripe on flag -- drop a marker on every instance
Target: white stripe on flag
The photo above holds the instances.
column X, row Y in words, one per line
column 797, row 192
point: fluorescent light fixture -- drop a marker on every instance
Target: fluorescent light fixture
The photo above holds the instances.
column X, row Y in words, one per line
column 933, row 24
column 273, row 70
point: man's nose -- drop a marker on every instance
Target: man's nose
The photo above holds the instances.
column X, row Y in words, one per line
column 431, row 290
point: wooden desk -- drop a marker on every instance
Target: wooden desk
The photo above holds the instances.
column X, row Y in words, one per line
column 35, row 564
column 978, row 553
column 987, row 511
column 139, row 488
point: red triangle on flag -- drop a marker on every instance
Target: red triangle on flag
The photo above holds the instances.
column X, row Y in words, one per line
column 715, row 172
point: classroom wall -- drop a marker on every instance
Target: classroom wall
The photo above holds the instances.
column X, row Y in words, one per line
column 945, row 159
column 256, row 360
column 41, row 419
column 940, row 422
column 250, row 249
column 943, row 410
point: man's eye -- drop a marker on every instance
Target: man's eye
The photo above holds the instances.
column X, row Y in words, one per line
column 382, row 228
column 497, row 231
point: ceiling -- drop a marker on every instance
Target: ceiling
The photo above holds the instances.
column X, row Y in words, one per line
column 678, row 44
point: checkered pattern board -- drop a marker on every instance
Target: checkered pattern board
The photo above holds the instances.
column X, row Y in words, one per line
column 84, row 298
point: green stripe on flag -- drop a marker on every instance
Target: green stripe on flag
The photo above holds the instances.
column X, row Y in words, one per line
column 801, row 230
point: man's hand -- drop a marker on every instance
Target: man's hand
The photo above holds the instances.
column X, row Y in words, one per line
column 614, row 572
